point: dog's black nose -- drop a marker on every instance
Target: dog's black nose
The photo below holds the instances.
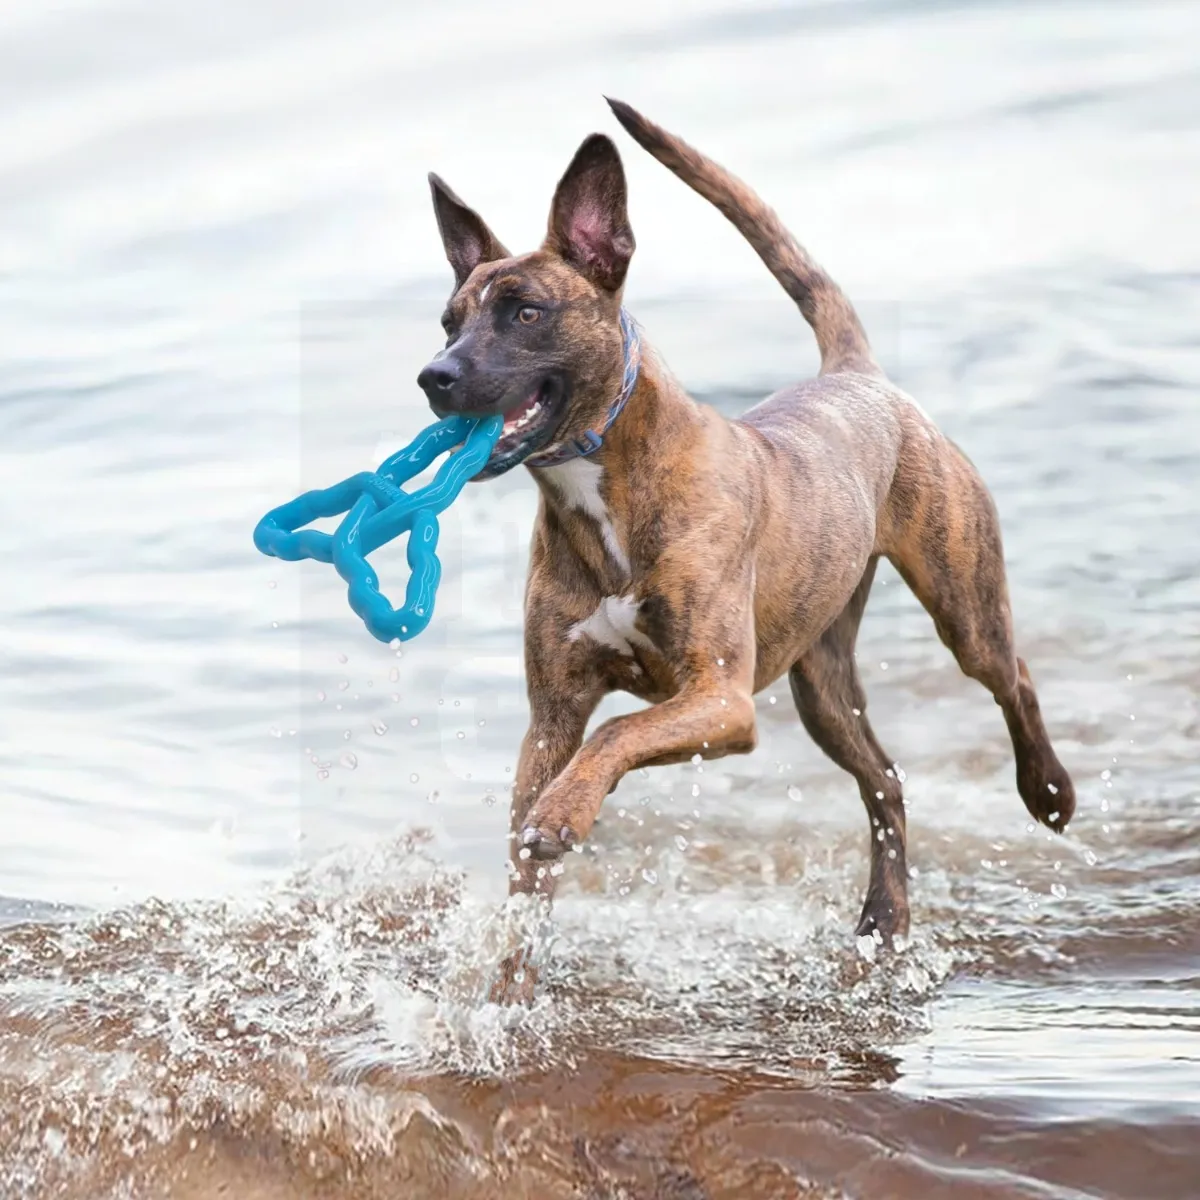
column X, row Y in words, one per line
column 437, row 380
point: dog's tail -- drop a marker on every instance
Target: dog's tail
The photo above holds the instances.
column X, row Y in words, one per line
column 840, row 336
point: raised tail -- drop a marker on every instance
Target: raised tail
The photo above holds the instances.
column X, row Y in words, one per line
column 840, row 335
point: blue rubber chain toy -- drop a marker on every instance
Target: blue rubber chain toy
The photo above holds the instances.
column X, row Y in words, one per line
column 377, row 510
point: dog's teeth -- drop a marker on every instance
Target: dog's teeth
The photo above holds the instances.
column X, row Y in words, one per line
column 524, row 418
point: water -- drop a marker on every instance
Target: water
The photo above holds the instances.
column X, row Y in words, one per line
column 244, row 950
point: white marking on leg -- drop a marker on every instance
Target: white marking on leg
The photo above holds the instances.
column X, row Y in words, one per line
column 578, row 482
column 613, row 625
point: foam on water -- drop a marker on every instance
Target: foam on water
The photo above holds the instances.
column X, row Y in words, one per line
column 131, row 1027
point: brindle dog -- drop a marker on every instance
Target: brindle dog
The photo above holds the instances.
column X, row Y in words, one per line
column 692, row 560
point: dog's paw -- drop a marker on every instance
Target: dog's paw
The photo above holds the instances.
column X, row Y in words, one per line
column 516, row 981
column 544, row 845
column 1047, row 790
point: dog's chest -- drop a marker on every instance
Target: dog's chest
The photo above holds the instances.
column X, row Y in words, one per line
column 578, row 486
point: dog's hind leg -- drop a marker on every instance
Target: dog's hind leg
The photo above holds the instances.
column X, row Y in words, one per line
column 833, row 707
column 947, row 547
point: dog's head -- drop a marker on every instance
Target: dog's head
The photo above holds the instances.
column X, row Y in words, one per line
column 536, row 336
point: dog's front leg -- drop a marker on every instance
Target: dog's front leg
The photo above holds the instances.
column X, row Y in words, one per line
column 547, row 748
column 712, row 716
column 564, row 690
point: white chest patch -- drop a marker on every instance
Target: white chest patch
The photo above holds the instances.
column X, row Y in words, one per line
column 612, row 625
column 578, row 482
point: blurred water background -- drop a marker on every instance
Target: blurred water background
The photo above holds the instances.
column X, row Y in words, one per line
column 251, row 860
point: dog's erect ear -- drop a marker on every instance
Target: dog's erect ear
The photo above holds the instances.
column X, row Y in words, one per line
column 589, row 226
column 468, row 241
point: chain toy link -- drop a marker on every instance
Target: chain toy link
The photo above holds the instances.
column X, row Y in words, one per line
column 377, row 510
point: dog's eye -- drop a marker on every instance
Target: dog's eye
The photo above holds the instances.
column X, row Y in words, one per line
column 527, row 314
column 448, row 323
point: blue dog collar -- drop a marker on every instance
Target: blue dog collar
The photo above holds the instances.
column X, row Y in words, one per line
column 592, row 440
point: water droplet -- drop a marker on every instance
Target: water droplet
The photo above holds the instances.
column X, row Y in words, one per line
column 460, row 734
column 858, row 713
column 349, row 761
column 695, row 789
column 720, row 662
column 345, row 735
column 394, row 674
column 394, row 644
column 649, row 875
column 414, row 778
column 771, row 700
column 883, row 666
column 556, row 869
column 541, row 743
column 1104, row 805
column 457, row 703
column 322, row 774
column 342, row 658
column 1106, row 774
column 1089, row 858
column 276, row 732
column 379, row 727
column 415, row 721
column 395, row 697
column 274, row 624
column 1058, row 891
column 343, row 685
column 270, row 583
column 320, row 695
column 489, row 799
column 681, row 843
column 794, row 793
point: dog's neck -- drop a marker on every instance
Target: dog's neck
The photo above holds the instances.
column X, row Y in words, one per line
column 601, row 500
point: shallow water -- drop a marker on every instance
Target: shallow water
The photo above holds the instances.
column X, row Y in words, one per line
column 251, row 861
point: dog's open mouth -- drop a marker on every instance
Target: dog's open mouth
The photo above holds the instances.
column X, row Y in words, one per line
column 527, row 427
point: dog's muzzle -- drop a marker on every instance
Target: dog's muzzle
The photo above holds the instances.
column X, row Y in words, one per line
column 441, row 381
